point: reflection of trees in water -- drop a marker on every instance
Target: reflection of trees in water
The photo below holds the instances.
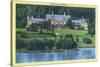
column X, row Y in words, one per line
column 36, row 57
column 72, row 55
column 22, row 57
column 51, row 56
column 84, row 53
column 60, row 56
column 87, row 54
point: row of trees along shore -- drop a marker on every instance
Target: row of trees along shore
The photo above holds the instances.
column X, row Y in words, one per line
column 63, row 43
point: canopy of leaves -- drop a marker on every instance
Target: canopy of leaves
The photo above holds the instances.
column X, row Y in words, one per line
column 40, row 11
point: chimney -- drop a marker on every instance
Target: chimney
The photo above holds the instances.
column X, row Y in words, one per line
column 32, row 17
column 28, row 20
column 27, row 17
column 64, row 13
column 52, row 13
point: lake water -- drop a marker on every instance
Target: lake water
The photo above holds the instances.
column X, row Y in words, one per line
column 84, row 53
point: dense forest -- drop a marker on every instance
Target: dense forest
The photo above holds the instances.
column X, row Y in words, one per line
column 39, row 11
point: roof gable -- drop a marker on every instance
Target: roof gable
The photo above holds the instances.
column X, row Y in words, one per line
column 77, row 22
column 57, row 17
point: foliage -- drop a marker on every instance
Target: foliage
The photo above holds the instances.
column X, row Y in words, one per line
column 20, row 44
column 87, row 40
column 91, row 31
column 39, row 11
column 35, row 29
column 49, row 43
column 69, row 24
column 77, row 39
column 80, row 28
column 23, row 35
column 66, row 42
column 91, row 25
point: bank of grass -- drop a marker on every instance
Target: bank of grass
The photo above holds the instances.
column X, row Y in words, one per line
column 62, row 32
column 39, row 51
column 83, row 45
column 71, row 31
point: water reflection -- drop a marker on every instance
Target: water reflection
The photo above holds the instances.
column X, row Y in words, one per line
column 84, row 53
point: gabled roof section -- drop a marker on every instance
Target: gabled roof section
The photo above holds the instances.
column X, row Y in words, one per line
column 77, row 22
column 57, row 17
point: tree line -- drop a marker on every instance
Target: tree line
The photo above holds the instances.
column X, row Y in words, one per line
column 63, row 43
column 39, row 11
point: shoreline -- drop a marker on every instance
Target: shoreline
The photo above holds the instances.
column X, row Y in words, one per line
column 39, row 51
column 67, row 50
column 86, row 47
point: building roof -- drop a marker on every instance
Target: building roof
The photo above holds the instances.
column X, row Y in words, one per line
column 58, row 17
column 38, row 20
column 77, row 22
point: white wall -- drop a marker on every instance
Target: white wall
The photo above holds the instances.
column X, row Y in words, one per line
column 5, row 33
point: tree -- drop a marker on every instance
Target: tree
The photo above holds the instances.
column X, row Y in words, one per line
column 91, row 26
column 67, row 43
column 69, row 23
column 77, row 39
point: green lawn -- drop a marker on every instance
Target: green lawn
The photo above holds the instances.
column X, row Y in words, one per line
column 60, row 31
column 70, row 31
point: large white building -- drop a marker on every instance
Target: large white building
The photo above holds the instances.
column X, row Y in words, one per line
column 58, row 20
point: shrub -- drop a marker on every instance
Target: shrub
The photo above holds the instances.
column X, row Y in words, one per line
column 19, row 32
column 46, row 44
column 24, row 35
column 77, row 39
column 59, row 44
column 80, row 28
column 70, row 43
column 36, row 44
column 67, row 43
column 91, row 31
column 87, row 40
column 49, row 43
column 32, row 29
column 20, row 43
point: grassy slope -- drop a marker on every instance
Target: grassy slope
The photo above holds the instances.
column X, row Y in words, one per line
column 60, row 31
column 70, row 31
